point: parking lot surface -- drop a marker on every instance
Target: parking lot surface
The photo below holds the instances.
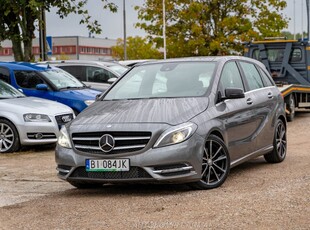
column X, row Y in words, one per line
column 256, row 195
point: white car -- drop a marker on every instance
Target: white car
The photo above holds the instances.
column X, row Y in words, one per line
column 29, row 120
column 97, row 74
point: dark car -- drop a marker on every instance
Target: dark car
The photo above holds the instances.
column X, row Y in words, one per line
column 97, row 74
column 48, row 82
column 176, row 121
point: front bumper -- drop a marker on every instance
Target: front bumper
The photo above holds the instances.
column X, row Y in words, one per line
column 179, row 163
column 33, row 133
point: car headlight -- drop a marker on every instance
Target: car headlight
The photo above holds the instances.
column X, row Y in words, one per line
column 63, row 139
column 89, row 102
column 176, row 134
column 34, row 117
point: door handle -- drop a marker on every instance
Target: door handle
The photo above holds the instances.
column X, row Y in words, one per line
column 270, row 95
column 249, row 101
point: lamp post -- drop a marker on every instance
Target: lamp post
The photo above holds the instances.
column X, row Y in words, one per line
column 125, row 37
column 294, row 32
column 308, row 19
column 164, row 29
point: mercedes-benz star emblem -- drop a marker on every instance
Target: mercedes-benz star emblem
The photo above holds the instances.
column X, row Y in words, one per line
column 106, row 143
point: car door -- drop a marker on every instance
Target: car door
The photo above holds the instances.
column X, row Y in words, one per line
column 264, row 100
column 27, row 81
column 236, row 114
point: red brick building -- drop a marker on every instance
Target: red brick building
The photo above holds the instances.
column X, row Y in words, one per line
column 67, row 47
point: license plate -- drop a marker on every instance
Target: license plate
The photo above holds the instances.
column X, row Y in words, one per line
column 107, row 165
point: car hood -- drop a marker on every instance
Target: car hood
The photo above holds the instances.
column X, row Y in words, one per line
column 33, row 105
column 78, row 94
column 172, row 111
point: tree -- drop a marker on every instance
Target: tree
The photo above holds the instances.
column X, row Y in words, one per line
column 290, row 36
column 18, row 20
column 137, row 48
column 210, row 27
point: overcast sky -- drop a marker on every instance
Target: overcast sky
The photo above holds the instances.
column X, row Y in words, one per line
column 112, row 23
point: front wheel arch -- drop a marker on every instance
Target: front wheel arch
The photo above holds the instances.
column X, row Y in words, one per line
column 8, row 128
column 215, row 164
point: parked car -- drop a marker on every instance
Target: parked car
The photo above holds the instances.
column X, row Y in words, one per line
column 97, row 74
column 184, row 120
column 29, row 120
column 48, row 82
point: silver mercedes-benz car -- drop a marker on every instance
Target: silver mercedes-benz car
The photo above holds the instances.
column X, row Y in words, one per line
column 176, row 121
column 29, row 120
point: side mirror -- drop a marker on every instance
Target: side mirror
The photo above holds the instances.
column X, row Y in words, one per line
column 41, row 87
column 234, row 93
column 111, row 80
column 98, row 97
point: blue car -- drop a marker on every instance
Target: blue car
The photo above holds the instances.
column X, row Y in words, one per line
column 48, row 82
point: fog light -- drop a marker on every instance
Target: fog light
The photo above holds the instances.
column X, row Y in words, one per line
column 38, row 136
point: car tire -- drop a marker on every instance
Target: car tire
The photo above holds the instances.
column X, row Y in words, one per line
column 215, row 164
column 9, row 138
column 278, row 153
column 85, row 185
column 291, row 108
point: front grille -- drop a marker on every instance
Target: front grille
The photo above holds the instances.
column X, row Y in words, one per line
column 63, row 119
column 124, row 141
column 134, row 172
column 39, row 136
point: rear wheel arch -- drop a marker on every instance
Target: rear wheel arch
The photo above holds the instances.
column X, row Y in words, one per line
column 282, row 118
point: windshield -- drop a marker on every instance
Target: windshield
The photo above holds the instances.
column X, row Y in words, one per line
column 118, row 69
column 7, row 91
column 173, row 79
column 62, row 79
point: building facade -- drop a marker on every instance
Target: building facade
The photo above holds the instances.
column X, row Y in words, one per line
column 67, row 47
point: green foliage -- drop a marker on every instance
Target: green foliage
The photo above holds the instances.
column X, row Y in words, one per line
column 18, row 19
column 290, row 36
column 210, row 27
column 136, row 48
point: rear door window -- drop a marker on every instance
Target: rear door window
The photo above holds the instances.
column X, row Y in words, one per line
column 252, row 75
column 96, row 74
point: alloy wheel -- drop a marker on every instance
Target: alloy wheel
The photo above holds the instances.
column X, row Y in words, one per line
column 215, row 163
column 6, row 137
column 281, row 139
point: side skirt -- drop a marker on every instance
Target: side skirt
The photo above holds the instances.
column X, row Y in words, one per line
column 252, row 155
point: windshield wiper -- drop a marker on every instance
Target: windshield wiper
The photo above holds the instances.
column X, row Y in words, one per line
column 72, row 87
